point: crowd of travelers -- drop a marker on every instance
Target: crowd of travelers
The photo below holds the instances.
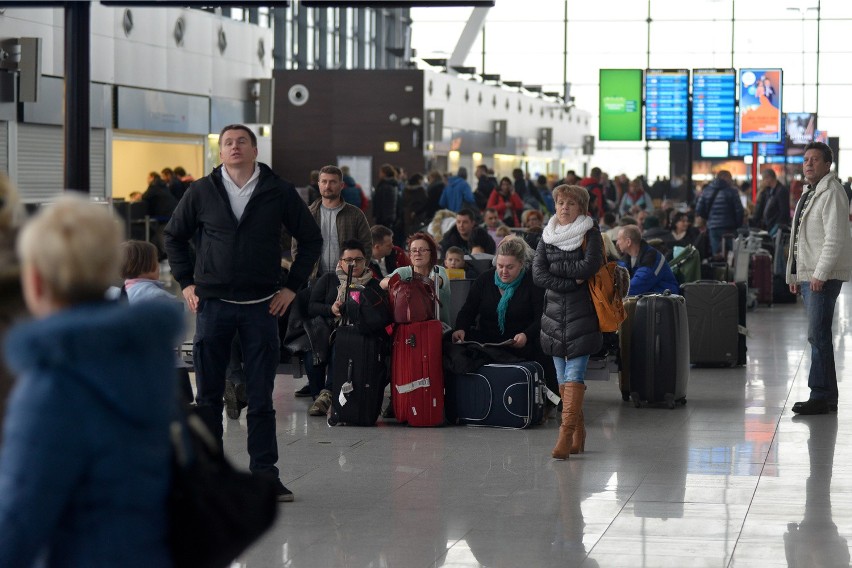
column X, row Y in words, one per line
column 91, row 488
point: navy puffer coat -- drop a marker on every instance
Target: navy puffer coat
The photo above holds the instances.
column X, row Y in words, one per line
column 569, row 324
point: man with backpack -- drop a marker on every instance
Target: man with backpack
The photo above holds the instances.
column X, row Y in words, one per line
column 721, row 208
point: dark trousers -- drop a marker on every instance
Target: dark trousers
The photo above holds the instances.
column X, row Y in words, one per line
column 319, row 377
column 216, row 324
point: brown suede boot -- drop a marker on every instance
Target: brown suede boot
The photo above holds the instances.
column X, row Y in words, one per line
column 569, row 420
column 578, row 442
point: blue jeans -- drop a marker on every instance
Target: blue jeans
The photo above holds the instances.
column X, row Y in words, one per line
column 716, row 240
column 570, row 370
column 822, row 378
column 216, row 324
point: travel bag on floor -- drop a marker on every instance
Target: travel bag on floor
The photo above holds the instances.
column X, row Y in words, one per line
column 760, row 276
column 659, row 350
column 499, row 395
column 780, row 289
column 713, row 314
column 418, row 373
column 359, row 374
column 625, row 335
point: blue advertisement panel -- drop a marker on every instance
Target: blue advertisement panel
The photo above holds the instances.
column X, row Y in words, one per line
column 714, row 104
column 666, row 104
column 760, row 105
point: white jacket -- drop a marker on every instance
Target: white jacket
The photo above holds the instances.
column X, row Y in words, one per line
column 824, row 248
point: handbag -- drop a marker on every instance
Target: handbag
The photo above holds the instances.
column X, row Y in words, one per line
column 215, row 511
column 367, row 309
column 412, row 300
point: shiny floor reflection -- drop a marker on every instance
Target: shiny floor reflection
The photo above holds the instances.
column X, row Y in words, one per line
column 731, row 479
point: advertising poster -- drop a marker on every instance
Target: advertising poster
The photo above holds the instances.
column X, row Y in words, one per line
column 620, row 104
column 760, row 105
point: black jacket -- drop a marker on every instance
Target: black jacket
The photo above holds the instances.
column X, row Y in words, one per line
column 240, row 261
column 161, row 203
column 523, row 315
column 324, row 294
column 479, row 237
column 569, row 324
column 772, row 208
column 384, row 202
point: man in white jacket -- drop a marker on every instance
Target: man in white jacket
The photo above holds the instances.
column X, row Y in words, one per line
column 819, row 261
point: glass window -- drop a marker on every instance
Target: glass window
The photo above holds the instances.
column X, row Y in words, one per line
column 831, row 66
column 835, row 9
column 692, row 10
column 678, row 38
column 598, row 11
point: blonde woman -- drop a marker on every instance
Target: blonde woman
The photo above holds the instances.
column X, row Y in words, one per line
column 570, row 252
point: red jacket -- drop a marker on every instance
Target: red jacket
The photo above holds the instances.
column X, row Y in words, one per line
column 497, row 202
column 596, row 195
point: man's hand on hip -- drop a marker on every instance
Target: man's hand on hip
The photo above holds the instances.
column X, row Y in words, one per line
column 281, row 301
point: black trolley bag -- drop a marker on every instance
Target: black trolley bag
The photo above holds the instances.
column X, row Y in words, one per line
column 504, row 395
column 712, row 309
column 659, row 350
column 360, row 365
column 780, row 289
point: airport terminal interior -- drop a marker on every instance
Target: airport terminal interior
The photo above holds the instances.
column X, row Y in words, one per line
column 731, row 479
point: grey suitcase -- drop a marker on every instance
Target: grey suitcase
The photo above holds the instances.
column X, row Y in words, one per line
column 713, row 313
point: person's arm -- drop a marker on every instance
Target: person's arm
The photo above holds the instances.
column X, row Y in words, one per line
column 43, row 458
column 586, row 266
column 178, row 232
column 738, row 209
column 492, row 201
column 835, row 218
column 299, row 222
column 544, row 278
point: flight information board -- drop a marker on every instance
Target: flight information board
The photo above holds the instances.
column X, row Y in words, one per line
column 620, row 104
column 666, row 104
column 714, row 104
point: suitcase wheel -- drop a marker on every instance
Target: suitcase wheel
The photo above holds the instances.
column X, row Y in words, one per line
column 634, row 396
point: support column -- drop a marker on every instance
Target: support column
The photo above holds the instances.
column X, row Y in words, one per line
column 77, row 81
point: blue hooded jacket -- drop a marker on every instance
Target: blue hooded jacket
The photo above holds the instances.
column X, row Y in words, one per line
column 727, row 209
column 455, row 194
column 652, row 274
column 85, row 464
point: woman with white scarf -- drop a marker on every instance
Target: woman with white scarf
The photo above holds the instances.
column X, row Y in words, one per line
column 569, row 254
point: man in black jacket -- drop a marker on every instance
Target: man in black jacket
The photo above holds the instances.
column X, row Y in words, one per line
column 467, row 236
column 773, row 204
column 234, row 217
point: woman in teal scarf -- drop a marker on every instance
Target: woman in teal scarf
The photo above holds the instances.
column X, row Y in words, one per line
column 503, row 304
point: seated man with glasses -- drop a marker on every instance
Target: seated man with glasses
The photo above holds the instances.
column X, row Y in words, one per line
column 326, row 300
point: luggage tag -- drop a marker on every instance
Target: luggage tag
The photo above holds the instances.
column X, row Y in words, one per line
column 344, row 390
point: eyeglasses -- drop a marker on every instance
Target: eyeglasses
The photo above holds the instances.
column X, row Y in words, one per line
column 418, row 250
column 359, row 260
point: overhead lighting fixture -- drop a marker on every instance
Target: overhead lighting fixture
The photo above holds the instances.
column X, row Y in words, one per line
column 554, row 94
column 515, row 84
column 533, row 88
column 490, row 76
column 464, row 70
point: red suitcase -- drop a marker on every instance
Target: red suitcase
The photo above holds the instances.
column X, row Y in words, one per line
column 760, row 276
column 417, row 377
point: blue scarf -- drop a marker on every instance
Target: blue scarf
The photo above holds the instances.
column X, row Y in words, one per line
column 508, row 291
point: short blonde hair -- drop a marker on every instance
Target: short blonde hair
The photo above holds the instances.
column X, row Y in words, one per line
column 578, row 193
column 74, row 246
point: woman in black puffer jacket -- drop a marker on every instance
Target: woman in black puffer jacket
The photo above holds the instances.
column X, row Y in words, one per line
column 569, row 253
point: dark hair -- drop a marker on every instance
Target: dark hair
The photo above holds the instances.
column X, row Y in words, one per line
column 506, row 178
column 430, row 242
column 466, row 213
column 137, row 258
column 415, row 179
column 677, row 217
column 388, row 170
column 609, row 218
column 379, row 232
column 168, row 172
column 596, row 172
column 332, row 171
column 179, row 171
column 542, row 180
column 827, row 154
column 352, row 244
column 251, row 134
column 454, row 250
column 517, row 173
column 769, row 172
column 154, row 175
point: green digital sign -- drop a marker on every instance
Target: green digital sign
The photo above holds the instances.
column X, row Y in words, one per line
column 620, row 104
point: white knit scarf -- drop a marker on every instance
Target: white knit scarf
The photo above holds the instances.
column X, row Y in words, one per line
column 567, row 237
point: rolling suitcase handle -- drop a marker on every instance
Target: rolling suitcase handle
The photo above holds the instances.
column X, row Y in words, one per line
column 437, row 271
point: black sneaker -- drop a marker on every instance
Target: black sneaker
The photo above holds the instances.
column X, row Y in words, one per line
column 284, row 494
column 304, row 391
column 235, row 399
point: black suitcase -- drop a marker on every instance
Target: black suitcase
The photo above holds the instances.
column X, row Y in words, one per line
column 780, row 289
column 659, row 350
column 499, row 395
column 712, row 309
column 359, row 376
column 742, row 300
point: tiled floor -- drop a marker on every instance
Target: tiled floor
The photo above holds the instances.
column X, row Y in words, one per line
column 731, row 479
